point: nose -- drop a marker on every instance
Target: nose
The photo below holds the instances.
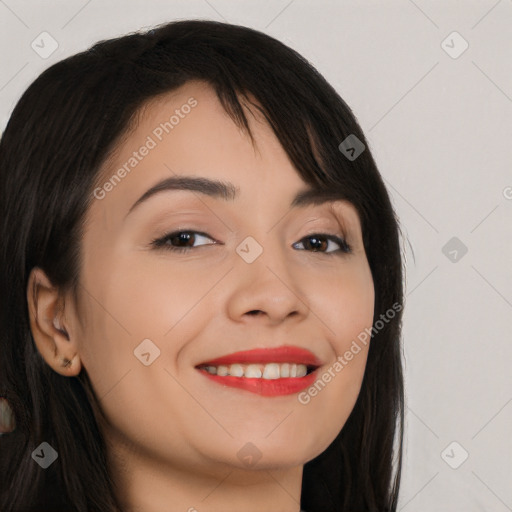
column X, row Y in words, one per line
column 266, row 291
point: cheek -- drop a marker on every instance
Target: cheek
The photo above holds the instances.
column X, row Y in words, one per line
column 345, row 303
column 352, row 318
column 126, row 304
column 135, row 301
column 156, row 297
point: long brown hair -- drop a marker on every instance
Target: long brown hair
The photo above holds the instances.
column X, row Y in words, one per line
column 61, row 131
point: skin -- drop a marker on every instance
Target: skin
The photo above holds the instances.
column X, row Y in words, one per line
column 173, row 435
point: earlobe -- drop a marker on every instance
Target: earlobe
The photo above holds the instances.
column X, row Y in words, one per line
column 51, row 335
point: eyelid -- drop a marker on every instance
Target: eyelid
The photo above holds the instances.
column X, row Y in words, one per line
column 339, row 232
column 326, row 231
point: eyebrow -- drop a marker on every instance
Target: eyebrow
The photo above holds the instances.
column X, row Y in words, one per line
column 228, row 191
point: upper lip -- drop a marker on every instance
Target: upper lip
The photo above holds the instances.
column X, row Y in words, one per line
column 282, row 354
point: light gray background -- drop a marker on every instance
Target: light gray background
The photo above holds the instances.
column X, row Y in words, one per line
column 440, row 129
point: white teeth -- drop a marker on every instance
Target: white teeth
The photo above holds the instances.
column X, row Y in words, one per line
column 270, row 371
column 222, row 371
column 301, row 370
column 236, row 370
column 252, row 371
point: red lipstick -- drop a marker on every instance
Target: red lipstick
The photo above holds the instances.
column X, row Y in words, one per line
column 266, row 387
column 284, row 354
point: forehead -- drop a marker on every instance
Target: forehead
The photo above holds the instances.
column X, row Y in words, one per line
column 188, row 132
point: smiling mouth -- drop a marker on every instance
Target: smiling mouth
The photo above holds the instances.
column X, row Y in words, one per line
column 268, row 372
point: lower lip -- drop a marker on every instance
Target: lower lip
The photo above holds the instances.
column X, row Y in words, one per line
column 265, row 387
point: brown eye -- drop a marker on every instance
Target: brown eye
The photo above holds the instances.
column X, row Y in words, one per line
column 323, row 243
column 181, row 241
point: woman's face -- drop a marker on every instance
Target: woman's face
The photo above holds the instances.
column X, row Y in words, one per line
column 244, row 275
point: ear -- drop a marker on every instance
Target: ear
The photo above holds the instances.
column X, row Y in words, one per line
column 49, row 327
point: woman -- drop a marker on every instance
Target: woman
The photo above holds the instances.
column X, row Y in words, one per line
column 204, row 285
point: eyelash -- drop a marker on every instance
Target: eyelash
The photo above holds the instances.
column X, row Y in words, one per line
column 161, row 243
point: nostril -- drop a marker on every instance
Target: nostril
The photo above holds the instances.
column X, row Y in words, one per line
column 254, row 312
